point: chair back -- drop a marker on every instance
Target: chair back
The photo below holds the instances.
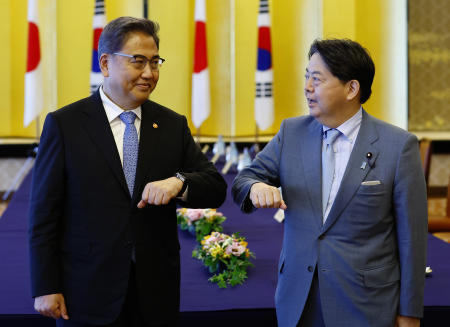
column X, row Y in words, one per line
column 426, row 150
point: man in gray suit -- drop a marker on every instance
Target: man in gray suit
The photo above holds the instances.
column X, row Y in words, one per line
column 354, row 197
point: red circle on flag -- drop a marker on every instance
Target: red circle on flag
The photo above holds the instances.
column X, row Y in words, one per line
column 200, row 59
column 34, row 50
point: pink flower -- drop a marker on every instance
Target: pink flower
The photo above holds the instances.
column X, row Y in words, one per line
column 212, row 213
column 235, row 248
column 194, row 214
column 211, row 239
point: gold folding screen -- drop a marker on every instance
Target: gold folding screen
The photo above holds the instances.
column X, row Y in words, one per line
column 295, row 23
column 429, row 65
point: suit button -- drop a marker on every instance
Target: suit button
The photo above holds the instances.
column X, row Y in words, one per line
column 310, row 268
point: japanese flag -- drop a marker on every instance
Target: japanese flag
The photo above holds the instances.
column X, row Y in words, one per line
column 200, row 76
column 34, row 99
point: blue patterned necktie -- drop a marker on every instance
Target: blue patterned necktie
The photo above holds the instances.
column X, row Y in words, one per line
column 328, row 167
column 130, row 148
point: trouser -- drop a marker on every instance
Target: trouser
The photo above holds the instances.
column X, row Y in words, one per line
column 312, row 313
column 130, row 316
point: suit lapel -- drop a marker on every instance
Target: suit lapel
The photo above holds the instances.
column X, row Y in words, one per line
column 356, row 170
column 311, row 151
column 99, row 130
column 149, row 142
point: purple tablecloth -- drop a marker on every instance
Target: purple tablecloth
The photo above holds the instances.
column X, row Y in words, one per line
column 437, row 285
column 263, row 234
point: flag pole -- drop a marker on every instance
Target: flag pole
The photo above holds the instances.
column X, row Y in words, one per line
column 232, row 69
column 33, row 100
column 99, row 21
column 33, row 86
column 200, row 100
column 264, row 106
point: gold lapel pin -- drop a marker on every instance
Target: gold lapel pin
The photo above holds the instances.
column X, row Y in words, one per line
column 155, row 125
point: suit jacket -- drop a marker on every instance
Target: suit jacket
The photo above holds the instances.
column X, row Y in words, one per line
column 83, row 222
column 370, row 253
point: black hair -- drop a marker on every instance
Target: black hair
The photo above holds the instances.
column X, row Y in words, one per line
column 116, row 32
column 347, row 60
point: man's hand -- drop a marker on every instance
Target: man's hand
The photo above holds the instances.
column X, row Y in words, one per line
column 51, row 305
column 266, row 196
column 403, row 321
column 160, row 192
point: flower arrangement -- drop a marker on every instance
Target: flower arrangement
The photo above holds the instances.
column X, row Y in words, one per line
column 200, row 222
column 226, row 256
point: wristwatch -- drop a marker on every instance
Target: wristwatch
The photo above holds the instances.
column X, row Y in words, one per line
column 182, row 178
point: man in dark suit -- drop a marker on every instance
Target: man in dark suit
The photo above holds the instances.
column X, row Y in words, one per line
column 354, row 198
column 104, row 248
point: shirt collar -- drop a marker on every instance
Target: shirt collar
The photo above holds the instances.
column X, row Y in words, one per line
column 113, row 110
column 349, row 126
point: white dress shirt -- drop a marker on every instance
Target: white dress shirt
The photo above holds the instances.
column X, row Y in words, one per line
column 342, row 148
column 113, row 112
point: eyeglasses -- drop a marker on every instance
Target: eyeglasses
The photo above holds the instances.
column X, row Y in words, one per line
column 140, row 61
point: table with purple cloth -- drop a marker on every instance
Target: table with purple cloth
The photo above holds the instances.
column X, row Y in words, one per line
column 202, row 302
